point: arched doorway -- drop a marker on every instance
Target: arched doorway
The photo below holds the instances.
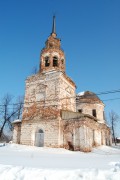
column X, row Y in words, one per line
column 39, row 138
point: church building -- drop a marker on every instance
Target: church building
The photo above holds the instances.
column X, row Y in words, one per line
column 53, row 114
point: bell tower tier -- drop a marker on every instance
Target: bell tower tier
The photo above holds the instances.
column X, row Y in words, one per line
column 52, row 56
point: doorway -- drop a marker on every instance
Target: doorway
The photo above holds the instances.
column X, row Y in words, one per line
column 39, row 138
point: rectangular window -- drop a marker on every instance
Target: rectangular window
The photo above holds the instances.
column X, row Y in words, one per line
column 55, row 63
column 94, row 113
column 103, row 115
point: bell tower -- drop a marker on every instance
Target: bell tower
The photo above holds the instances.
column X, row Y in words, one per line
column 52, row 56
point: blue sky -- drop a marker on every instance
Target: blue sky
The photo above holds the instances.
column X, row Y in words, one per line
column 90, row 36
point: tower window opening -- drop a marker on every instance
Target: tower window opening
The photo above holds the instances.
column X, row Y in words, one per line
column 80, row 110
column 50, row 45
column 47, row 61
column 104, row 115
column 62, row 61
column 94, row 113
column 55, row 61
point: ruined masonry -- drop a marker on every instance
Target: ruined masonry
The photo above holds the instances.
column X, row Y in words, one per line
column 54, row 115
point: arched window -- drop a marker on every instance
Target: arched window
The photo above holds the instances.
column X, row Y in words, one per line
column 47, row 61
column 55, row 61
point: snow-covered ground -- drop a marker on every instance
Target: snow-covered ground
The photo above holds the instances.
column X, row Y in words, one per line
column 19, row 162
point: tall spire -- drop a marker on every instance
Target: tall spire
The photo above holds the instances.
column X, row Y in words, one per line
column 54, row 26
column 52, row 56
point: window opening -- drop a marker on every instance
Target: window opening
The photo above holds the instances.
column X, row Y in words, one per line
column 55, row 61
column 103, row 115
column 47, row 61
column 94, row 113
column 50, row 45
column 62, row 61
column 80, row 110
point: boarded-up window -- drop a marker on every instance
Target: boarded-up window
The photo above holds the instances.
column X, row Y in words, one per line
column 40, row 96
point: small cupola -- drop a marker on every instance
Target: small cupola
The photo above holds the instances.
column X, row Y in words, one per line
column 89, row 103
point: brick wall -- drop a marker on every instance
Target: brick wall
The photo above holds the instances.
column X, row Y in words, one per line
column 50, row 128
column 85, row 133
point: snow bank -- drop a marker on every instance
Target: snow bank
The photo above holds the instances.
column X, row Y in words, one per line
column 19, row 147
column 20, row 162
column 81, row 93
column 107, row 150
column 2, row 144
column 24, row 173
column 118, row 138
column 16, row 121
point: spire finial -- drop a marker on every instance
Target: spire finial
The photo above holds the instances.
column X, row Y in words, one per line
column 54, row 26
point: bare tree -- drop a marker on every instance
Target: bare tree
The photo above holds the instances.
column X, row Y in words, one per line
column 113, row 122
column 8, row 112
column 19, row 106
